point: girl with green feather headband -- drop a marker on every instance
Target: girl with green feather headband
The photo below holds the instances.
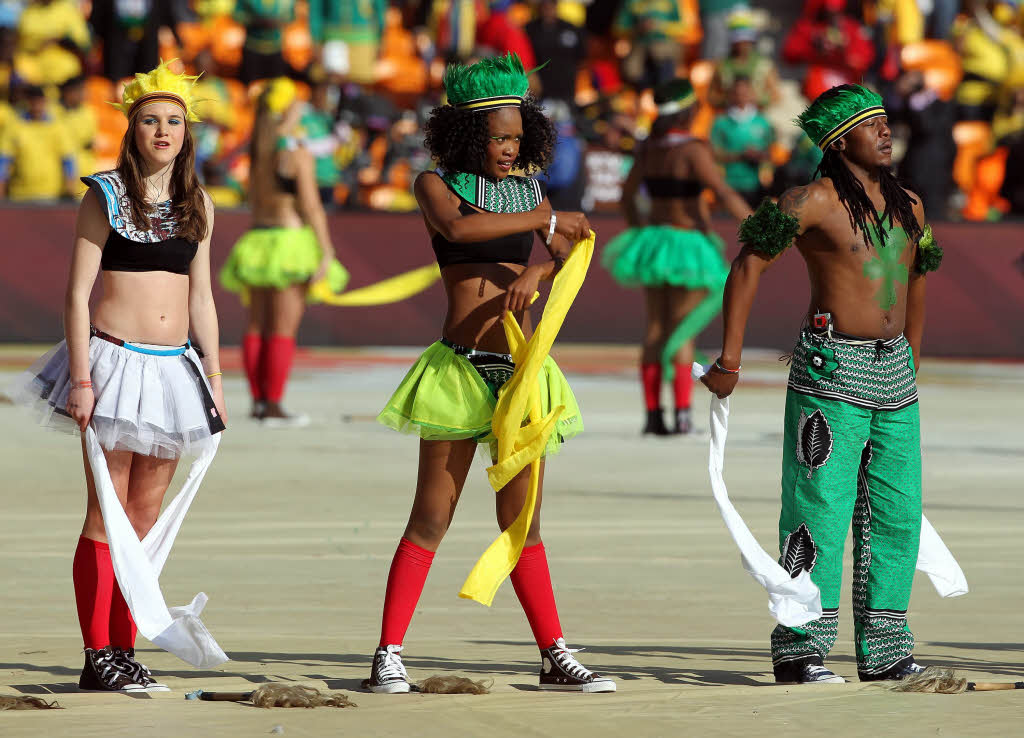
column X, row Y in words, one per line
column 482, row 223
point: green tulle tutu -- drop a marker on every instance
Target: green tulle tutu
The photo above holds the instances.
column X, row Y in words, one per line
column 443, row 398
column 278, row 258
column 658, row 256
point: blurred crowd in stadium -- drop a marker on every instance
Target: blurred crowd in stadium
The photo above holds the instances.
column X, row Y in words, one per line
column 951, row 72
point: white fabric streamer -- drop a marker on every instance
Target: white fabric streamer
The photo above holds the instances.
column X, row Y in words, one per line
column 797, row 601
column 137, row 564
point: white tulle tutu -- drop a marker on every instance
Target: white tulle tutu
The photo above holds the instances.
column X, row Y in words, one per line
column 153, row 405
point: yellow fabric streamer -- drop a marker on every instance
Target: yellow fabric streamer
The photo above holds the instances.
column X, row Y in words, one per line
column 520, row 444
column 394, row 289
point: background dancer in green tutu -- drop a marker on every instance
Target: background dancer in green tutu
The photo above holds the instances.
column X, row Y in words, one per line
column 481, row 220
column 288, row 248
column 677, row 258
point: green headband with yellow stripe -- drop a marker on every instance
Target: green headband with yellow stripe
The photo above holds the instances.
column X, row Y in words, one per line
column 496, row 82
column 837, row 111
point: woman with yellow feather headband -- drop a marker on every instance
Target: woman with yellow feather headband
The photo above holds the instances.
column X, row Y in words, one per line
column 130, row 380
column 482, row 222
column 288, row 248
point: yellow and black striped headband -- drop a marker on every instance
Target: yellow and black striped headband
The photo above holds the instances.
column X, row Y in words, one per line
column 875, row 111
column 491, row 103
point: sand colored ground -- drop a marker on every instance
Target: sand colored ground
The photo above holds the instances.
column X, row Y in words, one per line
column 293, row 533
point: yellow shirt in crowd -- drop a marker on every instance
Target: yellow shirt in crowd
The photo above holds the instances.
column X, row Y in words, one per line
column 35, row 158
column 79, row 126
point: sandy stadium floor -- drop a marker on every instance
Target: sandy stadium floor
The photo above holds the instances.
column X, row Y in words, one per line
column 293, row 533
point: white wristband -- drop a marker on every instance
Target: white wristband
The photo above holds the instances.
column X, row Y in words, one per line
column 551, row 229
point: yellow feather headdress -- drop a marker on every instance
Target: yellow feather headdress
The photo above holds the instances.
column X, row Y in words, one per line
column 159, row 85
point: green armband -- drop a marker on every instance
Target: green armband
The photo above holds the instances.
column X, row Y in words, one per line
column 769, row 231
column 929, row 253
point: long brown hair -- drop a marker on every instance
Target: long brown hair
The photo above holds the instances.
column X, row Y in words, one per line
column 187, row 202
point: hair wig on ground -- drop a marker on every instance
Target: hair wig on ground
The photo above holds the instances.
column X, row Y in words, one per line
column 454, row 685
column 296, row 695
column 26, row 702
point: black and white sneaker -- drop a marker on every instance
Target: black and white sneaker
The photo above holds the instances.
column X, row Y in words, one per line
column 561, row 672
column 103, row 673
column 388, row 675
column 806, row 671
column 139, row 673
column 905, row 667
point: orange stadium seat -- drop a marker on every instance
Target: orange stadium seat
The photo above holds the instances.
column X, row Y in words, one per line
column 298, row 45
column 973, row 140
column 939, row 63
column 227, row 38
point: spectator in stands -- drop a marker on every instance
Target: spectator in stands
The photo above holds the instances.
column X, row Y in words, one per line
column 927, row 166
column 835, row 46
column 130, row 33
column 10, row 12
column 500, row 35
column 36, row 159
column 318, row 137
column 744, row 60
column 565, row 177
column 52, row 34
column 358, row 25
column 741, row 139
column 714, row 20
column 562, row 47
column 79, row 123
column 988, row 46
column 264, row 22
column 653, row 30
column 1008, row 128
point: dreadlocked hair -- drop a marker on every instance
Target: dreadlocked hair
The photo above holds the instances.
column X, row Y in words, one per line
column 899, row 206
column 457, row 139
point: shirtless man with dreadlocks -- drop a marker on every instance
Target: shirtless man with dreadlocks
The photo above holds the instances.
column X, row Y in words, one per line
column 852, row 451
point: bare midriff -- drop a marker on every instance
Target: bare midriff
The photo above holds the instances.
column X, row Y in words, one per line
column 476, row 299
column 276, row 210
column 144, row 307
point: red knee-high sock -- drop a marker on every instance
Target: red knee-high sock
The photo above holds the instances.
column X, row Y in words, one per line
column 252, row 347
column 650, row 376
column 532, row 582
column 408, row 572
column 93, row 575
column 122, row 625
column 280, row 352
column 682, row 384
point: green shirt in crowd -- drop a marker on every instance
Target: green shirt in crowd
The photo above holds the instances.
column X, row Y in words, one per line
column 735, row 132
column 347, row 20
column 264, row 22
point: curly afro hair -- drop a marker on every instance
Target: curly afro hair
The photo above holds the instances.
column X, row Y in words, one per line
column 457, row 139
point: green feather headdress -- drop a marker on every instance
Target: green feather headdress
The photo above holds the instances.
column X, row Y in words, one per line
column 837, row 111
column 674, row 96
column 495, row 82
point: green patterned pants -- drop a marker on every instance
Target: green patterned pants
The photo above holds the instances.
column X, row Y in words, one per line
column 851, row 457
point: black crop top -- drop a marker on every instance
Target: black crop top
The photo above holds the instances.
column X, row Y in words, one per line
column 512, row 249
column 130, row 249
column 672, row 187
column 122, row 254
column 288, row 185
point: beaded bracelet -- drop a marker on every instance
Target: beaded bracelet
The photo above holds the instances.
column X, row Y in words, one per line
column 721, row 368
